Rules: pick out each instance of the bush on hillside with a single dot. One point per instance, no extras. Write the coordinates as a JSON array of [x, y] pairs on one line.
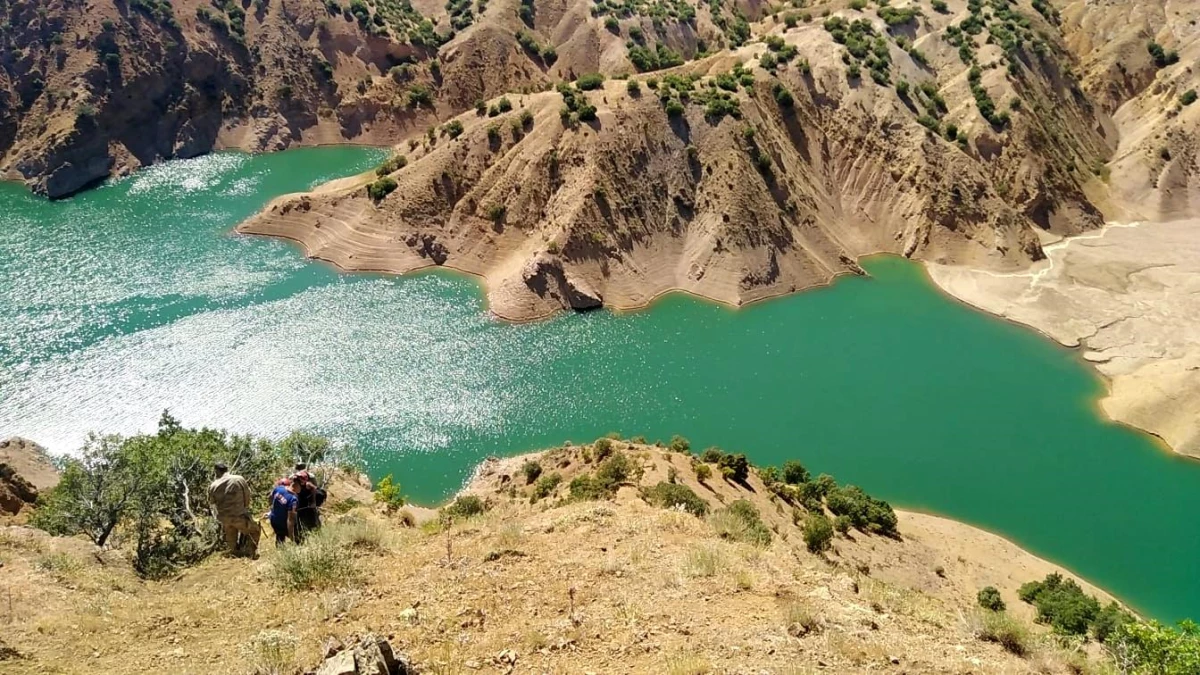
[[818, 533], [603, 448], [703, 472], [1005, 630], [712, 455], [589, 81], [735, 467], [1109, 621], [544, 487], [154, 489], [679, 444], [740, 521], [531, 471], [387, 492], [1061, 603], [382, 188], [672, 495], [465, 506], [794, 473], [614, 471], [989, 598], [865, 512], [393, 164], [842, 524], [586, 488], [1150, 647]]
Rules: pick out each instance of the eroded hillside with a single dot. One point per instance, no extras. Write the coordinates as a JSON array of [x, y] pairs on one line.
[[748, 173], [572, 567]]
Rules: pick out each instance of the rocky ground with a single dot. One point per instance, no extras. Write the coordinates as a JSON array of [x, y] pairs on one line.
[[609, 586]]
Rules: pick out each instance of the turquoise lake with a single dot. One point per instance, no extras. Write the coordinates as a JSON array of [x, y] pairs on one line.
[[137, 296]]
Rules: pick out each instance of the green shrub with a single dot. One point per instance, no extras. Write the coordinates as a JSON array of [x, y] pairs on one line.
[[526, 119], [465, 506], [703, 471], [633, 87], [865, 512], [611, 23], [712, 455], [603, 448], [1150, 647], [940, 7], [1109, 621], [586, 488], [842, 524], [818, 533], [132, 485], [1061, 603], [589, 81], [989, 598], [387, 492], [532, 470], [782, 96], [740, 521], [382, 188], [393, 164], [545, 486], [419, 95], [672, 495], [614, 471], [1162, 58], [794, 473], [679, 444], [504, 105], [453, 128], [734, 467], [1188, 97], [1005, 630]]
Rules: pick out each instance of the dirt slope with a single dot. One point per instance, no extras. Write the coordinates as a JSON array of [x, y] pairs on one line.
[[607, 587]]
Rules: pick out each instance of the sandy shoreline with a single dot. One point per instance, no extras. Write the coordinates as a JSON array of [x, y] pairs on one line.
[[1128, 299]]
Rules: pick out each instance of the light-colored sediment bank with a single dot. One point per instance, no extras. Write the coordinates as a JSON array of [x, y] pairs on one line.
[[1129, 297]]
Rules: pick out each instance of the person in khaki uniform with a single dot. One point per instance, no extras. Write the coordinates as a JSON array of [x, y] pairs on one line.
[[229, 496]]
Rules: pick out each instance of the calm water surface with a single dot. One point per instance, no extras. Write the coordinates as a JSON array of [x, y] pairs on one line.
[[137, 297]]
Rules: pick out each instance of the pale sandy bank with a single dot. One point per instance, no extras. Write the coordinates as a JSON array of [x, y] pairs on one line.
[[1129, 297]]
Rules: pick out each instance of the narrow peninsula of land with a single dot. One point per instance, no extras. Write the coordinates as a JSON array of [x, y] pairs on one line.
[[614, 556]]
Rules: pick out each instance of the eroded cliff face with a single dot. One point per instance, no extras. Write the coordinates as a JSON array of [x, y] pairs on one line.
[[736, 177], [89, 90]]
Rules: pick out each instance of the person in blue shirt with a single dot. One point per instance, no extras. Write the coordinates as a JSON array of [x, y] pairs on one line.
[[282, 515]]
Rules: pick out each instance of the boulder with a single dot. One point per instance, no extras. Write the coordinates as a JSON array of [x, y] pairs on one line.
[[367, 655], [15, 491]]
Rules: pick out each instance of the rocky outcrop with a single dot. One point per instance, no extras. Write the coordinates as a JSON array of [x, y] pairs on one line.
[[365, 655], [15, 491]]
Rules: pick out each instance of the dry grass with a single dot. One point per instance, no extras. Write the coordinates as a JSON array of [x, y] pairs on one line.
[[703, 561], [687, 664], [1003, 629], [272, 652]]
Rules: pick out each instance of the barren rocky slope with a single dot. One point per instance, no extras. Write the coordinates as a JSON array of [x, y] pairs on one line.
[[608, 586], [89, 90], [749, 173]]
